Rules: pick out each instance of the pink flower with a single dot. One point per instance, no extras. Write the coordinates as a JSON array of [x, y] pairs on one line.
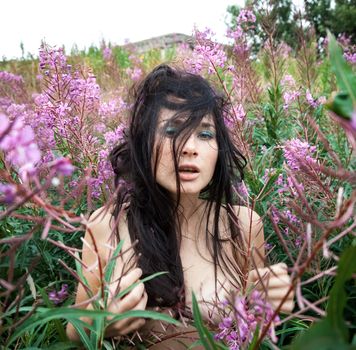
[[289, 98], [134, 73], [7, 193], [107, 53], [235, 34], [63, 166], [246, 16], [112, 108], [296, 151], [284, 49], [353, 120], [113, 137], [19, 145], [59, 296], [268, 173], [313, 103], [350, 57], [242, 318], [207, 54], [239, 112], [288, 81]]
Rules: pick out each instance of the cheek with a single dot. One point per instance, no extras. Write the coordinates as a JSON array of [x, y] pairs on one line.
[[212, 156], [164, 159]]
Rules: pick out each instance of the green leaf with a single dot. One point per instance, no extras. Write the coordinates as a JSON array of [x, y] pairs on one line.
[[331, 333], [111, 265], [255, 338], [321, 336], [346, 79], [79, 269], [79, 327], [144, 314], [44, 315], [341, 104], [148, 278], [205, 336], [338, 297]]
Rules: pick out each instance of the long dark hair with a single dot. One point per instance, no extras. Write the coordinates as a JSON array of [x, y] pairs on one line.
[[152, 213]]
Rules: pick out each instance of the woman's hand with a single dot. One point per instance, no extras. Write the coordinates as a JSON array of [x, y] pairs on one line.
[[276, 282], [136, 299]]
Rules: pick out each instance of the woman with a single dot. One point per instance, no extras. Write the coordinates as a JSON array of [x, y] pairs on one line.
[[175, 173]]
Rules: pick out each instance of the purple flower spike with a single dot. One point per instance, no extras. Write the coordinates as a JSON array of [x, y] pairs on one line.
[[60, 296]]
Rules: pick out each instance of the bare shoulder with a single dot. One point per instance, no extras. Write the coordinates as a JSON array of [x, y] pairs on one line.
[[248, 219]]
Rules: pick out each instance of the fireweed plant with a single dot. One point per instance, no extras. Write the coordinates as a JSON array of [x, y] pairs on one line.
[[58, 125]]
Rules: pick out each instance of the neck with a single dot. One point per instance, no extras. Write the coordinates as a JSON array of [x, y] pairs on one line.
[[188, 205], [190, 213]]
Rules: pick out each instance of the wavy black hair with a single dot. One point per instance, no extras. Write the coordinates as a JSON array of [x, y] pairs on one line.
[[151, 212]]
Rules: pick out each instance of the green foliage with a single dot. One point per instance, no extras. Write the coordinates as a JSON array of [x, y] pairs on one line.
[[331, 333], [206, 338], [95, 338], [274, 16], [344, 102], [339, 17]]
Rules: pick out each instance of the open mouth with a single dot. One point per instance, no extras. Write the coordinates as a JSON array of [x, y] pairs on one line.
[[188, 169], [188, 172]]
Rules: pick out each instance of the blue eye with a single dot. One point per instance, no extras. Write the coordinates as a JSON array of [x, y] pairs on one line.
[[170, 131], [206, 135]]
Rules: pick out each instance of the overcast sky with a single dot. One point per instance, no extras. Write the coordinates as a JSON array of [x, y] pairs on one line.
[[86, 22]]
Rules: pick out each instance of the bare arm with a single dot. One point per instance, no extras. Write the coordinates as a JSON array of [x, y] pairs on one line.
[[251, 227], [274, 279], [95, 256]]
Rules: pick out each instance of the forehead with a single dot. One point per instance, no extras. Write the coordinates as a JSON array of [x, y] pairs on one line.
[[166, 115]]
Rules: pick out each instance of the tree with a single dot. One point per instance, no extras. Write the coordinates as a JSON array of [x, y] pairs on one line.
[[339, 19], [274, 16]]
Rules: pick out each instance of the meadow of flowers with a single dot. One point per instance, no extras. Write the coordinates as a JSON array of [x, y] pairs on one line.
[[294, 119]]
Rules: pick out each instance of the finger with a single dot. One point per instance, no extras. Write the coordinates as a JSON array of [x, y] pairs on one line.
[[120, 326], [133, 326], [279, 293], [264, 275], [130, 278], [129, 301], [281, 281], [287, 306]]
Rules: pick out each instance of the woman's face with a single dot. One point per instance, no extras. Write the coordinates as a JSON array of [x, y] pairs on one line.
[[197, 158]]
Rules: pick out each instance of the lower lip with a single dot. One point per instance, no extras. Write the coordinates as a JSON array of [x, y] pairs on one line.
[[186, 176]]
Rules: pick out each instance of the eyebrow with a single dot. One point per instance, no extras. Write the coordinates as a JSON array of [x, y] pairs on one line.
[[207, 125], [202, 125]]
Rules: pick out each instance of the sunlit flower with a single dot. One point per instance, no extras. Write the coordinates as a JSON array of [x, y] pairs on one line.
[[295, 151], [207, 54]]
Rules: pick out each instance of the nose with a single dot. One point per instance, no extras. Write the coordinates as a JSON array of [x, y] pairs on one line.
[[190, 147]]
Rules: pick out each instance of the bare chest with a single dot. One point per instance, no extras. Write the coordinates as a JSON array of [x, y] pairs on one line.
[[199, 276]]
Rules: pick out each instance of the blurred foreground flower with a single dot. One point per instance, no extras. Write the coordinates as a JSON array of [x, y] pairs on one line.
[[18, 142]]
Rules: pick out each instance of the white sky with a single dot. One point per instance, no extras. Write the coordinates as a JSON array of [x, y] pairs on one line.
[[86, 22]]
